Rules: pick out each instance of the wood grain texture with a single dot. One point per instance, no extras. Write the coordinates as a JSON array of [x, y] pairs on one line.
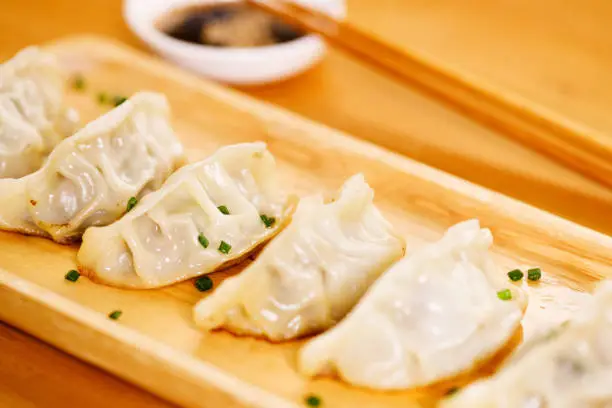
[[155, 343], [574, 145], [556, 54], [30, 382]]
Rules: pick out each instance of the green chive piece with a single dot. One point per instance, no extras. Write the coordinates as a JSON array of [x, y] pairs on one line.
[[203, 284], [515, 275], [534, 274], [223, 209], [79, 82], [115, 314], [451, 391], [313, 401], [118, 100], [224, 247], [131, 204], [72, 275], [203, 240], [268, 221], [102, 98], [504, 294]]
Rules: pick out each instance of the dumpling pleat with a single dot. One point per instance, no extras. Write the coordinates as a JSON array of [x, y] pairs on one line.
[[90, 177], [312, 274], [433, 315], [180, 231]]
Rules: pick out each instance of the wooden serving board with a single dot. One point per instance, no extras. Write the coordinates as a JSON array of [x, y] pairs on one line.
[[155, 344]]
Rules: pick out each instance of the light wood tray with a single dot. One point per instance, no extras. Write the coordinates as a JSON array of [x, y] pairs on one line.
[[155, 343]]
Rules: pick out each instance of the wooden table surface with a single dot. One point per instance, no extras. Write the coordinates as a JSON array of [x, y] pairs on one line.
[[557, 53]]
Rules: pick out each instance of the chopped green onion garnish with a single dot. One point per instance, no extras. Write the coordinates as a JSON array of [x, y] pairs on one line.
[[515, 275], [268, 221], [79, 82], [203, 240], [534, 274], [223, 209], [131, 204], [115, 314], [118, 100], [224, 247], [203, 284], [504, 294], [72, 275], [451, 391], [313, 401], [102, 98]]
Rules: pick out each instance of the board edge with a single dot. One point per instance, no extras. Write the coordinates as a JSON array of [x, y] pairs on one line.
[[164, 370]]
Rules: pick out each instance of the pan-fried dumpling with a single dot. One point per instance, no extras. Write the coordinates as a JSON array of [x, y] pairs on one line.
[[570, 367], [312, 274], [33, 118], [208, 215], [431, 316], [90, 177]]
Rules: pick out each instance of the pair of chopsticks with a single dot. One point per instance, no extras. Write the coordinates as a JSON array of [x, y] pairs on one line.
[[578, 147]]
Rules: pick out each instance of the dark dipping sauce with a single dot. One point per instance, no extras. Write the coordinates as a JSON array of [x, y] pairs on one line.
[[227, 25]]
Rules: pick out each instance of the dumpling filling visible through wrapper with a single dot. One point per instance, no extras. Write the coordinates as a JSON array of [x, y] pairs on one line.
[[208, 215], [89, 177], [569, 367], [312, 274], [432, 316], [33, 117]]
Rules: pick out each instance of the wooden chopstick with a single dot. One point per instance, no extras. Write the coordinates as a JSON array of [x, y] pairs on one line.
[[583, 149]]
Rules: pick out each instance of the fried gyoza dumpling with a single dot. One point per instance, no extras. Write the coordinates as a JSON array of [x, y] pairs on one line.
[[33, 118], [570, 367], [433, 315], [89, 177], [312, 274], [207, 215]]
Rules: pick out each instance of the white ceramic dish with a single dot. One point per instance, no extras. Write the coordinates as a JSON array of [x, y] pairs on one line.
[[241, 66]]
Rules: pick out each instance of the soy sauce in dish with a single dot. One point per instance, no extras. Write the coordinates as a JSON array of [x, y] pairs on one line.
[[227, 25]]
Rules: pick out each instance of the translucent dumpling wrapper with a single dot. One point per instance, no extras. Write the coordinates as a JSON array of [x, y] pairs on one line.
[[33, 117], [570, 367], [312, 273], [432, 316], [207, 216], [89, 177]]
